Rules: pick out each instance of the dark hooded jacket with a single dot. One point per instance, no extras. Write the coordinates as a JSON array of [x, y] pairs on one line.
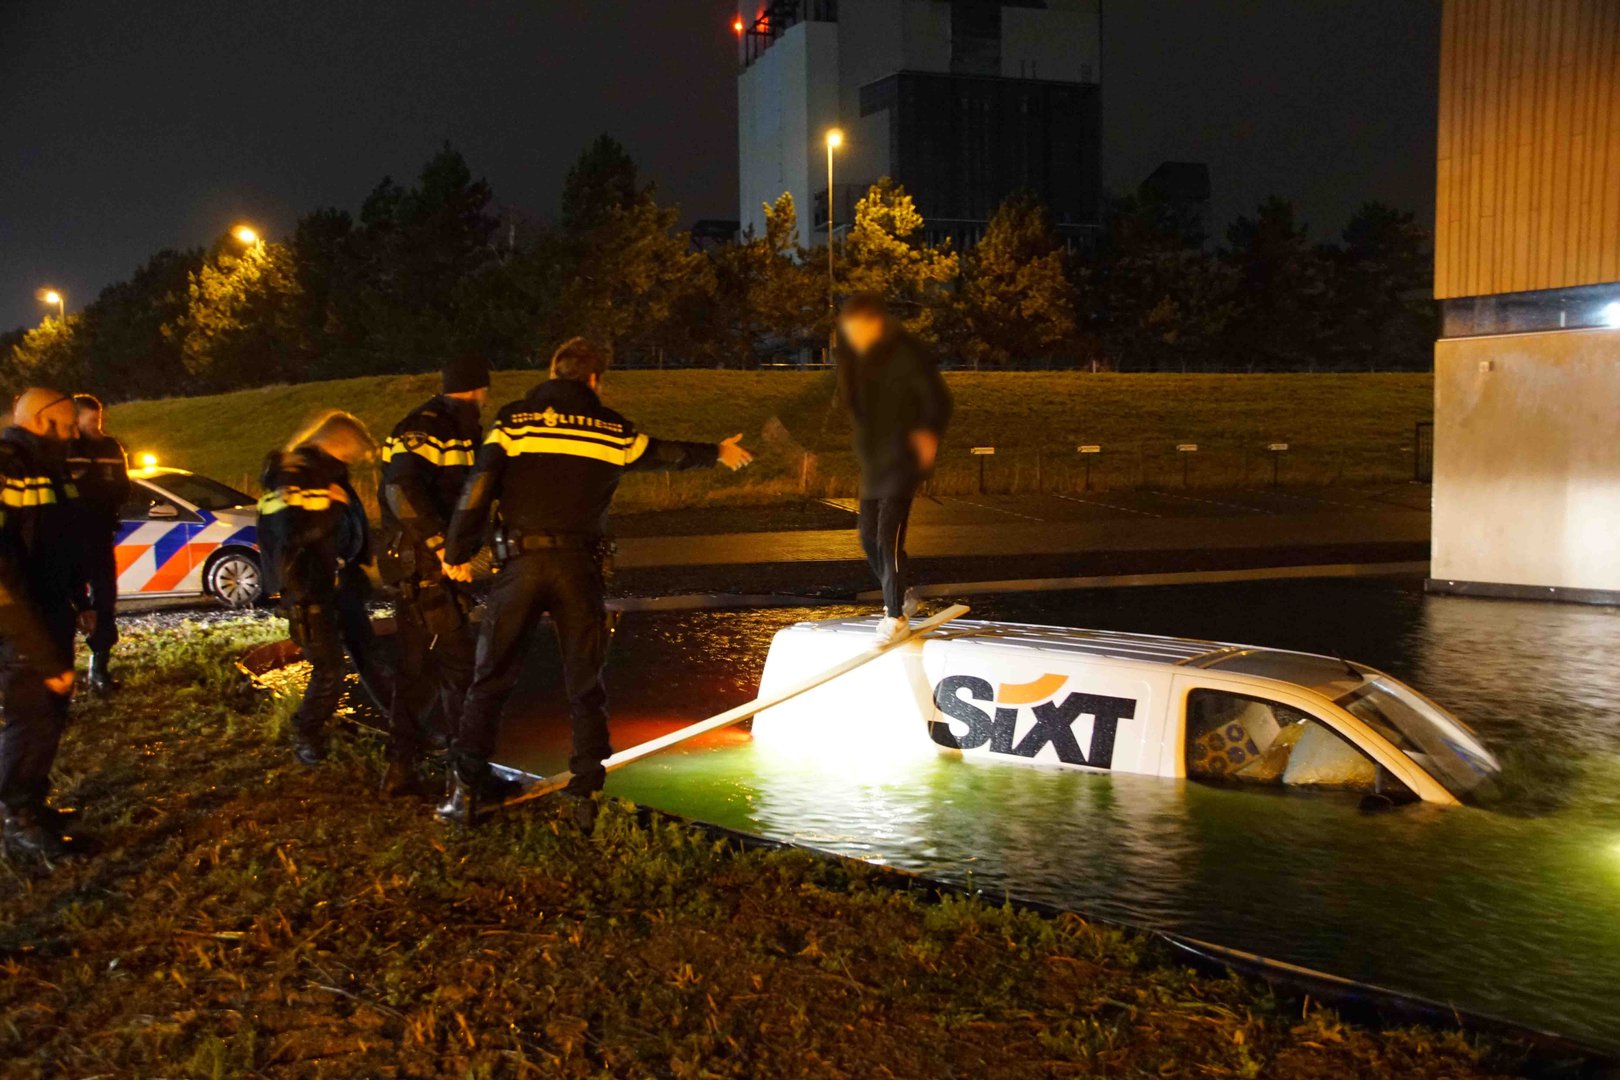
[[426, 462], [891, 392], [42, 549], [311, 524]]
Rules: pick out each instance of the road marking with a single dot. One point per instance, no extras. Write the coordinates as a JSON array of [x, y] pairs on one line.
[[1185, 577], [1213, 502], [997, 509], [1110, 506], [1319, 501]]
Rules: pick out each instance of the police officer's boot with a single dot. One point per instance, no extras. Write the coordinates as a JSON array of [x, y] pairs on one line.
[[309, 746], [399, 779], [460, 805], [26, 833], [582, 810], [101, 680]]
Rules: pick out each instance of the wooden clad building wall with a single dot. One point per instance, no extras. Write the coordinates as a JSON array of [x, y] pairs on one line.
[[1529, 154]]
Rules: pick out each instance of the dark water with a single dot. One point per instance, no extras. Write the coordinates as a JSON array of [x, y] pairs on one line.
[[1511, 909]]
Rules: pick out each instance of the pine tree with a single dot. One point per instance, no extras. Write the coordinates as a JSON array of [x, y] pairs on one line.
[[1016, 302], [632, 281], [888, 254]]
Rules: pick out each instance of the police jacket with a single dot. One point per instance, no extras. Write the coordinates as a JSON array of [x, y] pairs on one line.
[[426, 462], [553, 462], [891, 392], [99, 468], [311, 524], [42, 568]]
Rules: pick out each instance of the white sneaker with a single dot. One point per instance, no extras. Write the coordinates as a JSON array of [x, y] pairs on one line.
[[892, 628], [910, 605]]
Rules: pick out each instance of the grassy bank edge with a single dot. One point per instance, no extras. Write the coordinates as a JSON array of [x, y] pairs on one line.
[[246, 915]]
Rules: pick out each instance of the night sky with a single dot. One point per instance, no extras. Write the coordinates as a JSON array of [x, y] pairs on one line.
[[131, 125]]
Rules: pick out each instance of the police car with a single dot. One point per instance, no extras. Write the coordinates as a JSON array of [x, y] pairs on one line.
[[181, 534], [1101, 701]]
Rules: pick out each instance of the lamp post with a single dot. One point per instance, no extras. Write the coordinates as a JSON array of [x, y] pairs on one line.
[[245, 235], [835, 139], [52, 296]]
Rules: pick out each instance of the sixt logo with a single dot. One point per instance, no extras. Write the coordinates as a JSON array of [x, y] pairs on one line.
[[1054, 720]]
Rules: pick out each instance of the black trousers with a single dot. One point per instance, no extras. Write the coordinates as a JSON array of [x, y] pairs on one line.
[[568, 583], [435, 669], [103, 572], [35, 718], [325, 630], [882, 526]]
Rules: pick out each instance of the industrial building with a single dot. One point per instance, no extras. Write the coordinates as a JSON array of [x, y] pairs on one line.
[[962, 101], [1527, 272]]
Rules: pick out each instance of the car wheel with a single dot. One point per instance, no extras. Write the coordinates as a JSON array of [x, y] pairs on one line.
[[234, 578]]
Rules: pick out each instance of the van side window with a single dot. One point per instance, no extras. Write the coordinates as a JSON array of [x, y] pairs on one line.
[[1252, 740]]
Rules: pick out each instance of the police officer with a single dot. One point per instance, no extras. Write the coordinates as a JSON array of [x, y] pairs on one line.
[[99, 469], [315, 542], [425, 463], [41, 576], [552, 462]]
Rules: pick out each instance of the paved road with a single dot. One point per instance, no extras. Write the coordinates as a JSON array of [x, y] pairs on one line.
[[1007, 526]]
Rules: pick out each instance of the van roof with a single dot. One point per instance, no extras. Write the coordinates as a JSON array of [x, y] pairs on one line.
[[1301, 669]]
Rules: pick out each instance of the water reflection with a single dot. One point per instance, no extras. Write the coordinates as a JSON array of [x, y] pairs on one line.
[[1509, 911]]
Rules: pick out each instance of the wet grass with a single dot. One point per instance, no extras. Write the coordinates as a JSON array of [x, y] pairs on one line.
[[1339, 428], [245, 916]]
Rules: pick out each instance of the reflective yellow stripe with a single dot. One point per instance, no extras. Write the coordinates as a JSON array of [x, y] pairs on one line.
[[521, 430], [637, 448], [310, 499], [555, 444], [441, 452], [33, 491]]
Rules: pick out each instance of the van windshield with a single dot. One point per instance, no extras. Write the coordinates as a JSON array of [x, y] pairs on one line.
[[1429, 736]]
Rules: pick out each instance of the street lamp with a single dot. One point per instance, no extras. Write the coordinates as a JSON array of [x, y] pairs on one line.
[[835, 139], [245, 234], [51, 296]]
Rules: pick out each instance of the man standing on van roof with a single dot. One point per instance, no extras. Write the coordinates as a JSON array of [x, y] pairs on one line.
[[552, 462], [899, 405]]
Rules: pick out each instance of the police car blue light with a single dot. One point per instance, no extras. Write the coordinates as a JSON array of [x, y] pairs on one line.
[[181, 534]]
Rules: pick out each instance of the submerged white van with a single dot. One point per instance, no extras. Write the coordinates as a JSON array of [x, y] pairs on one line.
[[1101, 701]]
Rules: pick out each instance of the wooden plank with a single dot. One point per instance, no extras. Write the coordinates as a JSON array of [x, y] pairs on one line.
[[740, 713]]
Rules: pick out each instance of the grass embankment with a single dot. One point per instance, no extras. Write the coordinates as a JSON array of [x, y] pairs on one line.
[[1338, 427], [246, 916]]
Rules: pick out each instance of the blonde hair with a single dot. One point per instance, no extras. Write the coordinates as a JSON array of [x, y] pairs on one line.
[[335, 423]]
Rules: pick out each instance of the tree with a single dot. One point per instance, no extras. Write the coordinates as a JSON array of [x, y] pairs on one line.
[[602, 180], [1278, 321], [888, 254], [241, 323], [1015, 301], [410, 261], [632, 281], [52, 353], [1380, 312], [1161, 301], [768, 297]]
